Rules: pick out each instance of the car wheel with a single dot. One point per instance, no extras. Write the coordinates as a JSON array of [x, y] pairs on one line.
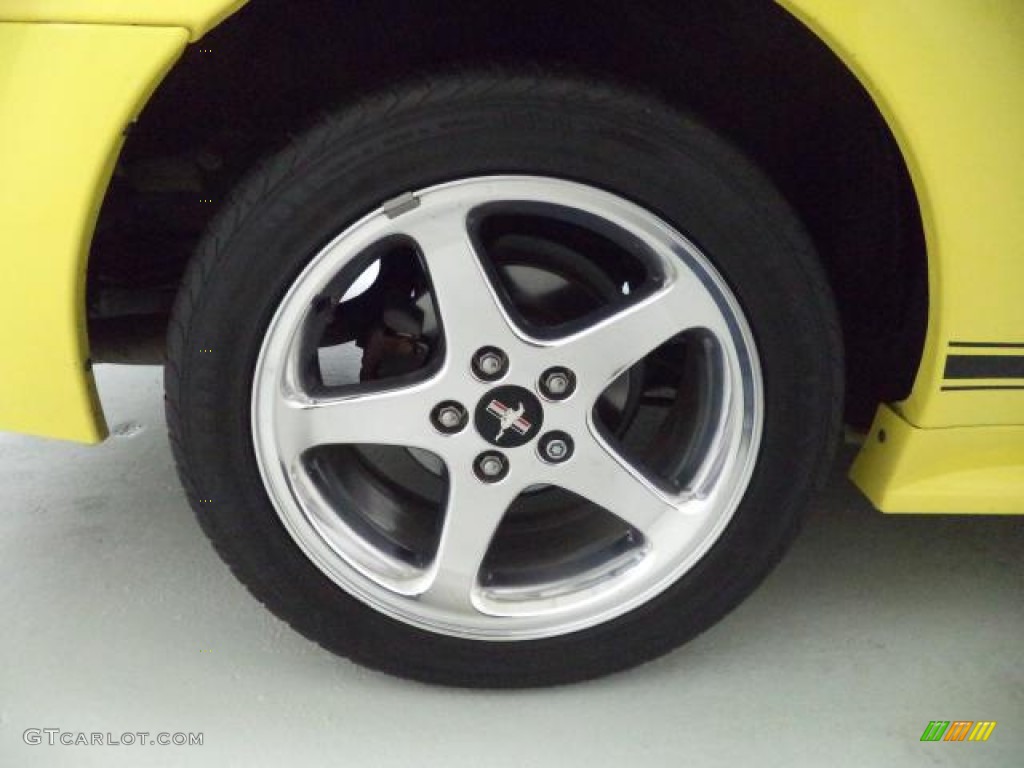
[[504, 381]]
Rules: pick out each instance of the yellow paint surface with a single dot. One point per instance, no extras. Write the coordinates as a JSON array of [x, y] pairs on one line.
[[67, 92], [197, 16], [977, 470], [948, 75]]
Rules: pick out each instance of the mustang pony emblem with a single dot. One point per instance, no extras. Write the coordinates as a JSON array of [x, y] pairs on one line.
[[509, 418]]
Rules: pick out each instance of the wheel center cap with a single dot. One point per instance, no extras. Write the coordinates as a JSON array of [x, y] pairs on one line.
[[508, 416]]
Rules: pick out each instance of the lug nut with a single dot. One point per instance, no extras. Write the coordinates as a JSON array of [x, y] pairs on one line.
[[490, 363], [556, 450], [555, 447], [448, 417], [491, 466], [557, 383]]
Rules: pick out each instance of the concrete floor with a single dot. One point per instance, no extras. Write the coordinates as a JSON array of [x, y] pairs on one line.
[[118, 617]]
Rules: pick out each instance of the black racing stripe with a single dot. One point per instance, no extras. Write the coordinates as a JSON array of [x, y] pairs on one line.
[[996, 387], [986, 344], [984, 367]]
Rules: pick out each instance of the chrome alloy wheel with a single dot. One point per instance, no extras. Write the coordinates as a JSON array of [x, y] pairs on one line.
[[542, 387]]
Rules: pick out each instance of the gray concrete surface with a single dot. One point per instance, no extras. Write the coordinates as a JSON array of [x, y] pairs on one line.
[[118, 617]]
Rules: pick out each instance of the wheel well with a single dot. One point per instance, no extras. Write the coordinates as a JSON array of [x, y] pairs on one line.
[[748, 69]]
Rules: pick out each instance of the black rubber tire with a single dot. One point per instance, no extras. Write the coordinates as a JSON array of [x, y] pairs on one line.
[[460, 126]]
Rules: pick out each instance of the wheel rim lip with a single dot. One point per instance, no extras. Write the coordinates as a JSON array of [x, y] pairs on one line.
[[308, 531]]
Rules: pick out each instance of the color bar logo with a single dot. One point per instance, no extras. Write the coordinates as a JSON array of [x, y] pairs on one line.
[[958, 730]]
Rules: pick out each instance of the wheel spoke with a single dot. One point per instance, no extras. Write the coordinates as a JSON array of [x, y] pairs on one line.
[[472, 515], [607, 480], [394, 417], [470, 312], [609, 347]]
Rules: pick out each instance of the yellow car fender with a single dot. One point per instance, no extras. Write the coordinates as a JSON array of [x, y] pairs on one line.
[[67, 93], [197, 16], [948, 76]]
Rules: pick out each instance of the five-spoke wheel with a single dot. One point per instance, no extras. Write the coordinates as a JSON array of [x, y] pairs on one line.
[[535, 392]]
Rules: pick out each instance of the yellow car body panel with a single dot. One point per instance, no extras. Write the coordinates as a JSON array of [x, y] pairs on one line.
[[963, 469], [197, 16], [946, 75], [67, 93]]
